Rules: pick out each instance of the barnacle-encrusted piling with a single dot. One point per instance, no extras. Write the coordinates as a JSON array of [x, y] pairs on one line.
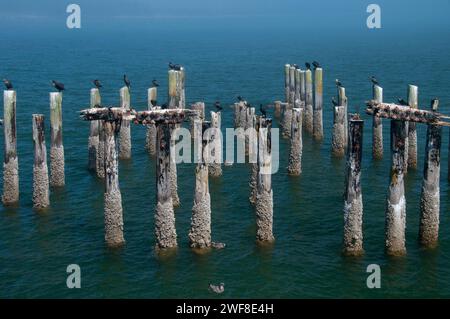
[[287, 121], [113, 197], [41, 199], [200, 107], [215, 145], [286, 82], [377, 125], [413, 101], [308, 102], [430, 196], [200, 233], [125, 128], [295, 154], [353, 205], [10, 162], [318, 105], [150, 140], [253, 159], [57, 177], [292, 86], [396, 202], [264, 195], [338, 136], [93, 133]]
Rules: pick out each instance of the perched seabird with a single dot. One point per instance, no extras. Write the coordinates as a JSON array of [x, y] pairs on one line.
[[296, 66], [338, 83], [334, 101], [434, 104], [240, 98], [97, 84], [155, 84], [262, 110], [175, 67], [402, 102], [308, 65], [126, 81], [58, 85], [164, 106], [218, 107], [374, 80], [153, 102], [8, 84], [218, 289], [316, 64]]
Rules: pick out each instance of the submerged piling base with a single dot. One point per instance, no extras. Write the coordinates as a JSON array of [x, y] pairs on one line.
[[57, 166], [150, 141], [264, 216], [11, 181], [113, 218], [253, 183], [200, 233], [41, 197], [165, 232]]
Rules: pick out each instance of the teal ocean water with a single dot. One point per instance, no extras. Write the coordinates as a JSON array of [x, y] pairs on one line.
[[305, 261]]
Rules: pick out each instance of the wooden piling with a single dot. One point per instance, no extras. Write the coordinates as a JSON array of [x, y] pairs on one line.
[[377, 125], [165, 232], [173, 169], [338, 136], [93, 133], [264, 195], [297, 88], [150, 140], [308, 102], [318, 105], [342, 100], [292, 86], [295, 154], [182, 88], [200, 107], [413, 101], [277, 109], [287, 121], [57, 176], [41, 198], [286, 82], [200, 233], [11, 162], [113, 197], [101, 150], [302, 91], [353, 205], [215, 166], [253, 160], [396, 202], [125, 128], [175, 97], [430, 195]]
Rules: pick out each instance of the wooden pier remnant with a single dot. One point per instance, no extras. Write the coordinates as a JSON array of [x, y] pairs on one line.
[[342, 100], [377, 125], [353, 205], [297, 102], [176, 89], [413, 101], [338, 142], [287, 89], [253, 160], [150, 139], [264, 195], [200, 233], [295, 154], [396, 202], [93, 133], [57, 176], [200, 107], [430, 195], [302, 92], [287, 120], [41, 199], [11, 162], [277, 109], [125, 128], [318, 105], [308, 102], [215, 144], [292, 86]]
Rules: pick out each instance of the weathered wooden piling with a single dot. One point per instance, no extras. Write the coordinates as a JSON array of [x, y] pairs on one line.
[[11, 162], [150, 140], [57, 177], [93, 133], [200, 107], [165, 232], [287, 89], [353, 205], [264, 195], [430, 196], [292, 86], [342, 100], [253, 160], [125, 128], [377, 125], [41, 199], [175, 92], [173, 169], [295, 154], [396, 202], [338, 136], [302, 91], [413, 101], [113, 197], [277, 109], [200, 233], [318, 105], [308, 102], [101, 150], [297, 88], [182, 88], [215, 141], [287, 121]]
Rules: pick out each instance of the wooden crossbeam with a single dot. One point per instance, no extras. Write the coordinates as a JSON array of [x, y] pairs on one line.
[[405, 113]]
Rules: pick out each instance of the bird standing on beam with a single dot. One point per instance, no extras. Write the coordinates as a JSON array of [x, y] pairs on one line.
[[58, 85]]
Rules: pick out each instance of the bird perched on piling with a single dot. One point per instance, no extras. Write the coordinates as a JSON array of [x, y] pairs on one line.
[[97, 84], [240, 98], [58, 85], [262, 109], [334, 101], [218, 106], [8, 84], [218, 289], [338, 83], [373, 80], [155, 84], [308, 65], [296, 66], [164, 106], [126, 81], [316, 64], [153, 103], [402, 102], [175, 67]]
